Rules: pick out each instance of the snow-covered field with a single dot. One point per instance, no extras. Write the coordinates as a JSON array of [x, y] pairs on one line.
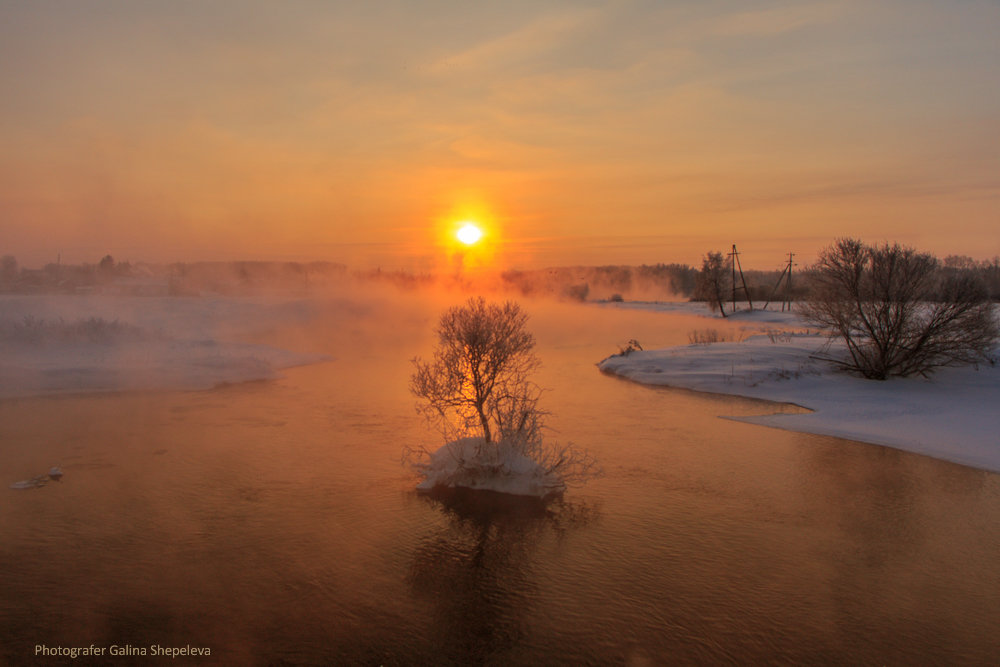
[[69, 344], [953, 415]]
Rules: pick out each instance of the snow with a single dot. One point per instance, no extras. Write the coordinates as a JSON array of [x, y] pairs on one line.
[[35, 482], [471, 463], [55, 474], [56, 345], [184, 364], [951, 416], [701, 308]]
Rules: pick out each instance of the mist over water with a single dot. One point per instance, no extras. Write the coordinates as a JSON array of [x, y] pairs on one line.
[[272, 521]]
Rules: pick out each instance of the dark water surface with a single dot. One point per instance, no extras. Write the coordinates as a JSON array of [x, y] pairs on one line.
[[272, 523]]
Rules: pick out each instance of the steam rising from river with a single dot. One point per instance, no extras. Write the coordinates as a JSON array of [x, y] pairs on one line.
[[112, 340]]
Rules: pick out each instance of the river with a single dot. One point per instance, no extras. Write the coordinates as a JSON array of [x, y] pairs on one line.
[[272, 523]]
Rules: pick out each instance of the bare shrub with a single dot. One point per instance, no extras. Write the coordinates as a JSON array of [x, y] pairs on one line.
[[710, 336], [631, 346], [705, 336], [896, 313], [778, 335]]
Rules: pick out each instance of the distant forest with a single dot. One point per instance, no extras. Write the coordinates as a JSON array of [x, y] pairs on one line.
[[657, 282]]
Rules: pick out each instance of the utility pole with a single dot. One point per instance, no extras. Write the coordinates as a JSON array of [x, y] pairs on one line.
[[735, 261], [788, 285], [732, 263]]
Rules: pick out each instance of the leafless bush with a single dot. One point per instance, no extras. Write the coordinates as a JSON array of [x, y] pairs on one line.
[[630, 347], [710, 336], [704, 336], [571, 465], [778, 336], [896, 313]]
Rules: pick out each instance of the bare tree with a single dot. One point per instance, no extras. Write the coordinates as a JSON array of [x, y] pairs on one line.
[[896, 312], [478, 382], [713, 282], [479, 385], [8, 268], [963, 262]]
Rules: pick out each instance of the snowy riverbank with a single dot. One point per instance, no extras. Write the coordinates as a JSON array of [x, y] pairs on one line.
[[952, 416], [59, 345]]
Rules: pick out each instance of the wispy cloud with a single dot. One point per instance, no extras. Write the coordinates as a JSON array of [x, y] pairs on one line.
[[530, 43], [351, 120], [777, 20]]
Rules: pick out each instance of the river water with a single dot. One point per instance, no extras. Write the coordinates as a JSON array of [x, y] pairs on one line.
[[272, 523]]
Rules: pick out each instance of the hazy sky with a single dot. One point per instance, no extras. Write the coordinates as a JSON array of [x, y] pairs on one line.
[[579, 132]]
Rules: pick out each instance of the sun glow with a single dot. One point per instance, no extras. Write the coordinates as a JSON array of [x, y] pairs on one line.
[[469, 233], [468, 237]]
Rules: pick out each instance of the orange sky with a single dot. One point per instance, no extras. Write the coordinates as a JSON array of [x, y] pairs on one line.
[[581, 132]]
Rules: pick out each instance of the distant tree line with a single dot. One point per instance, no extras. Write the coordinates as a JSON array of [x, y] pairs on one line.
[[898, 311], [55, 277], [176, 279], [249, 277], [582, 283], [713, 282]]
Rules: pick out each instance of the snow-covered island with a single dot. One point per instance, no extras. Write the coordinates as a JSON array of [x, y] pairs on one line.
[[952, 415], [501, 467]]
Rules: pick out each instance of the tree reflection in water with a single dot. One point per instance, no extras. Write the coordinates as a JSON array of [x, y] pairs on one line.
[[477, 569]]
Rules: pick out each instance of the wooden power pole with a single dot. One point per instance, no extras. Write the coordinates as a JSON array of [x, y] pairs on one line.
[[788, 285], [786, 275], [735, 261]]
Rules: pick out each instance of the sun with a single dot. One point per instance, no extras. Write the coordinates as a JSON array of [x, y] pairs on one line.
[[469, 233]]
